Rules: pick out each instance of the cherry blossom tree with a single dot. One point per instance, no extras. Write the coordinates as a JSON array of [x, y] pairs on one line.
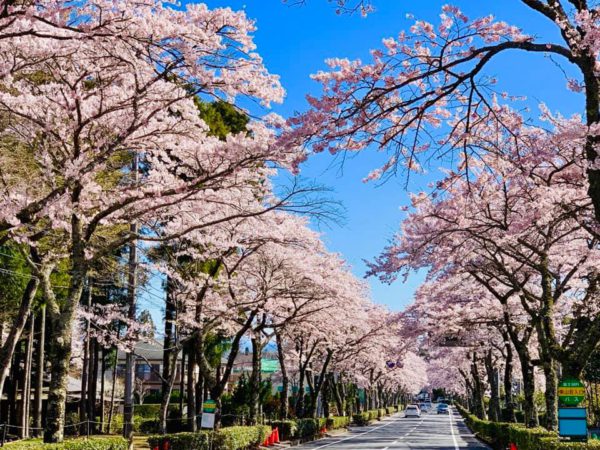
[[427, 90], [517, 229], [92, 90]]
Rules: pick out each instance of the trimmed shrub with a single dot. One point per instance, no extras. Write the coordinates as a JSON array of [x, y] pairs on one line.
[[288, 429], [182, 441], [307, 427], [96, 443], [240, 438], [230, 438], [499, 435], [364, 418], [336, 422], [149, 426]]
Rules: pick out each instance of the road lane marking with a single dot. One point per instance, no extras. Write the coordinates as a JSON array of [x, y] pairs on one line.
[[456, 447], [404, 435], [356, 435]]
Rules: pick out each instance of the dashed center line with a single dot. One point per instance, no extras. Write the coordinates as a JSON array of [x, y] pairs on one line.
[[404, 435], [357, 435]]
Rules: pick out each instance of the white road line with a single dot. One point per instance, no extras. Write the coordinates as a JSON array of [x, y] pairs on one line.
[[356, 435], [456, 447], [403, 436]]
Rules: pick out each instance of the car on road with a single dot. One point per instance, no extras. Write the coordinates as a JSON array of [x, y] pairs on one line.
[[412, 411], [425, 407], [443, 408]]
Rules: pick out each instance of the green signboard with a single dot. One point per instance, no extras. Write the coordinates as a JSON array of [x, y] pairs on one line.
[[209, 406], [571, 392]]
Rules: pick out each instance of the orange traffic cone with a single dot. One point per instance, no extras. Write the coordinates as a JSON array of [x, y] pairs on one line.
[[272, 438], [513, 446], [266, 442], [276, 435], [166, 445]]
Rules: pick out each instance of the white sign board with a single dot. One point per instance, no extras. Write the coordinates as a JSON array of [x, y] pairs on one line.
[[208, 420]]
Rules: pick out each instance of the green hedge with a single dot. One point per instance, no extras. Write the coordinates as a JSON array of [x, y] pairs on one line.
[[96, 443], [335, 422], [148, 411], [307, 428], [499, 435], [365, 417], [230, 438], [288, 429]]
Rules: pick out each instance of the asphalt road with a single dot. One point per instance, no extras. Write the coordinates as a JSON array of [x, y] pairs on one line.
[[431, 432]]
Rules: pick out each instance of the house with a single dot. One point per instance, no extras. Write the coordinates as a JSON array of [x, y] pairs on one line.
[[148, 367]]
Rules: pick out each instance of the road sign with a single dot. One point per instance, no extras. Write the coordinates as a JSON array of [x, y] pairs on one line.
[[209, 406], [208, 420], [572, 423], [571, 392]]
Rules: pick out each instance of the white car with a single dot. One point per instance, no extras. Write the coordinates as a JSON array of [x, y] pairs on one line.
[[412, 411]]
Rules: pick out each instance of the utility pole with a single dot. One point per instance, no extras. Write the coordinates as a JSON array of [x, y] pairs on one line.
[[131, 294]]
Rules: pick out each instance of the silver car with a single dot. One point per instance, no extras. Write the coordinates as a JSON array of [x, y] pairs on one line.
[[412, 411]]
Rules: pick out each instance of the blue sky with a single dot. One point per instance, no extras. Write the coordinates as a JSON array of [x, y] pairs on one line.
[[295, 40]]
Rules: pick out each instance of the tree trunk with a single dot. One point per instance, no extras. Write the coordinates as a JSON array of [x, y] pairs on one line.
[[318, 384], [479, 405], [283, 398], [191, 391], [16, 330], [83, 402], [60, 356], [587, 65], [493, 380], [325, 397], [92, 384], [39, 374], [551, 395], [132, 313], [111, 408], [166, 393], [339, 403], [14, 385], [184, 354], [255, 382], [508, 369], [299, 406], [531, 417], [26, 392], [102, 388], [168, 340]]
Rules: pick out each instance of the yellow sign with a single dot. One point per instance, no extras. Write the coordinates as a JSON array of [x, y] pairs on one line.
[[569, 391]]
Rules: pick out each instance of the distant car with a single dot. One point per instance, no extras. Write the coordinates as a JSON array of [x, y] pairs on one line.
[[443, 408], [425, 407], [412, 411]]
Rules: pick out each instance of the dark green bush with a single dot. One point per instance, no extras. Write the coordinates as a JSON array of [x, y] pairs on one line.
[[147, 411], [307, 427], [182, 441], [96, 443], [288, 429], [240, 438], [149, 426], [364, 418], [230, 438]]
